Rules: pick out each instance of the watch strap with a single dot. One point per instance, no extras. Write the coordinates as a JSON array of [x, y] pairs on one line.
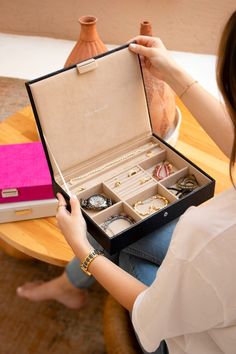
[[88, 260]]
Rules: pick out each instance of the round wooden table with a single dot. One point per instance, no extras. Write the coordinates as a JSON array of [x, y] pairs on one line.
[[41, 238]]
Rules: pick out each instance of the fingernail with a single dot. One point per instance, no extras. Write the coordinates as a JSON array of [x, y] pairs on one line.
[[132, 46], [73, 196]]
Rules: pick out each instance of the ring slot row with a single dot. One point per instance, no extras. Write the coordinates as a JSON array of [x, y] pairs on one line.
[[132, 182]]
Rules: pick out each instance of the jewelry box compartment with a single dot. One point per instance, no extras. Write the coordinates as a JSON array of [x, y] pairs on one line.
[[116, 219], [162, 165], [102, 196], [151, 200], [184, 182]]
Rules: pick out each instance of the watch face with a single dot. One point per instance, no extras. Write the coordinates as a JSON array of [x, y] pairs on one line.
[[98, 201]]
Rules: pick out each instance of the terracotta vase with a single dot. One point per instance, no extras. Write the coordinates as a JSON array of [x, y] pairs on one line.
[[89, 43], [160, 97]]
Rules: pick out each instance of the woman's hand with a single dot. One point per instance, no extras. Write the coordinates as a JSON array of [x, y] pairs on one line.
[[158, 60], [156, 57], [120, 284], [73, 226]]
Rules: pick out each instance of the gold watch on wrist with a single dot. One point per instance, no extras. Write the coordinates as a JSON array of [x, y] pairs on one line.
[[88, 260]]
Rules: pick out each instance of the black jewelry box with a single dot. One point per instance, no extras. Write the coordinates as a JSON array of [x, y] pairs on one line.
[[94, 124]]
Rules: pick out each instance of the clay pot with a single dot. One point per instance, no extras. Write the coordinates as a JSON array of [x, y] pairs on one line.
[[160, 97], [89, 43], [146, 28]]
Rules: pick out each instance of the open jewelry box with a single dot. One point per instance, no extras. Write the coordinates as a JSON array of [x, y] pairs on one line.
[[94, 123]]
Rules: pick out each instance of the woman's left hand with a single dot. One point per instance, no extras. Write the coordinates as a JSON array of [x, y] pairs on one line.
[[73, 225]]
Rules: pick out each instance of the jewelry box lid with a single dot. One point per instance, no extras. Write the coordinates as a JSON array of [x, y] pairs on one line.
[[85, 111]]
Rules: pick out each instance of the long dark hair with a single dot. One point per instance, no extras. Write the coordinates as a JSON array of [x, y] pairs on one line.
[[226, 77]]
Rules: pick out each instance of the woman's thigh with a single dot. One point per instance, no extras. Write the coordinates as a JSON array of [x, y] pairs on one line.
[[141, 269], [154, 246]]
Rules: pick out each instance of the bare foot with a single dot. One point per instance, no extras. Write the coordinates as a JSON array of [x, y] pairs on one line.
[[59, 289]]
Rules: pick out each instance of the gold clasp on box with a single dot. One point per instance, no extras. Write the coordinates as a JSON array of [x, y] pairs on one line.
[[23, 211], [86, 66], [10, 192]]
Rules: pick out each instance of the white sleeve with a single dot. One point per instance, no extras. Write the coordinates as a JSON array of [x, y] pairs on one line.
[[179, 301]]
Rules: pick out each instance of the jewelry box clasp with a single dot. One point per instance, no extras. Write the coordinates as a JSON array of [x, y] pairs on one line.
[[10, 192], [87, 65]]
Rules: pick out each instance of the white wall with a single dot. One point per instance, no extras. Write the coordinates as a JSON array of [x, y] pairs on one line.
[[184, 25]]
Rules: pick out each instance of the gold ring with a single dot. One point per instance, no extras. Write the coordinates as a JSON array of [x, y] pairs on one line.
[[144, 180], [149, 153], [61, 205], [117, 184]]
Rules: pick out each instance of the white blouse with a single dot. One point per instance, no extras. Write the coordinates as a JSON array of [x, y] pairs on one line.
[[192, 302]]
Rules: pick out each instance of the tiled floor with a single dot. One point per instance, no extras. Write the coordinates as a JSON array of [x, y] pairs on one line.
[[28, 57]]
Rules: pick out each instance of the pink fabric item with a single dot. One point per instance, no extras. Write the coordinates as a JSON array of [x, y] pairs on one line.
[[24, 167]]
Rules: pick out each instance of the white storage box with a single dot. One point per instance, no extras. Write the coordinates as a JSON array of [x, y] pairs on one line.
[[27, 210]]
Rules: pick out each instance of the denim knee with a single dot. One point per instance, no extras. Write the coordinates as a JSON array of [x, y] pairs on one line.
[[153, 247], [76, 275], [141, 269]]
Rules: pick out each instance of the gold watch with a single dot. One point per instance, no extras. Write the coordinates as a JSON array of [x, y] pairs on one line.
[[88, 260]]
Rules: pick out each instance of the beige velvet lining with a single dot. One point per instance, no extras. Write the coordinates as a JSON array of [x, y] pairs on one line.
[[86, 115]]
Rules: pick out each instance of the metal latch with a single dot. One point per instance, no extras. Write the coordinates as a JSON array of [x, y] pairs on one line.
[[10, 192], [87, 65]]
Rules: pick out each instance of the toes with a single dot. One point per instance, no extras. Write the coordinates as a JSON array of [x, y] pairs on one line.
[[25, 290]]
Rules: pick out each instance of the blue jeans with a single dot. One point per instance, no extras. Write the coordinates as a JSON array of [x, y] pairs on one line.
[[141, 259]]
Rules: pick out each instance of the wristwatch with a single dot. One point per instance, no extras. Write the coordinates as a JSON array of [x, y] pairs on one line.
[[88, 260], [96, 202]]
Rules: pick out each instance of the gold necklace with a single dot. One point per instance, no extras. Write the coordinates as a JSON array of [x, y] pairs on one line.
[[114, 162]]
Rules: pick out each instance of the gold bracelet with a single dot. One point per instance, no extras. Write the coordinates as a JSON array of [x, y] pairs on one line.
[[187, 88], [152, 207], [88, 260]]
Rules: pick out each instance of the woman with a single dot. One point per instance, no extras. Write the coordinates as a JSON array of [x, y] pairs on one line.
[[189, 301]]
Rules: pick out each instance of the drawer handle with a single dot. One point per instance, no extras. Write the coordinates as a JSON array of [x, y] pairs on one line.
[[23, 212]]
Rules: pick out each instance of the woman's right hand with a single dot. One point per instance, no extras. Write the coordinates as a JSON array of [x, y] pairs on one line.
[[157, 59]]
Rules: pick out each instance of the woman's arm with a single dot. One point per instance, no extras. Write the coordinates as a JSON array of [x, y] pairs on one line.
[[121, 285], [209, 112]]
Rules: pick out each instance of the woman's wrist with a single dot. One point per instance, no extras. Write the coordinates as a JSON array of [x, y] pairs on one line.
[[178, 79], [83, 250]]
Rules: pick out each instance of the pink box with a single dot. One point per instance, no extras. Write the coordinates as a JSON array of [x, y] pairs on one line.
[[24, 173]]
